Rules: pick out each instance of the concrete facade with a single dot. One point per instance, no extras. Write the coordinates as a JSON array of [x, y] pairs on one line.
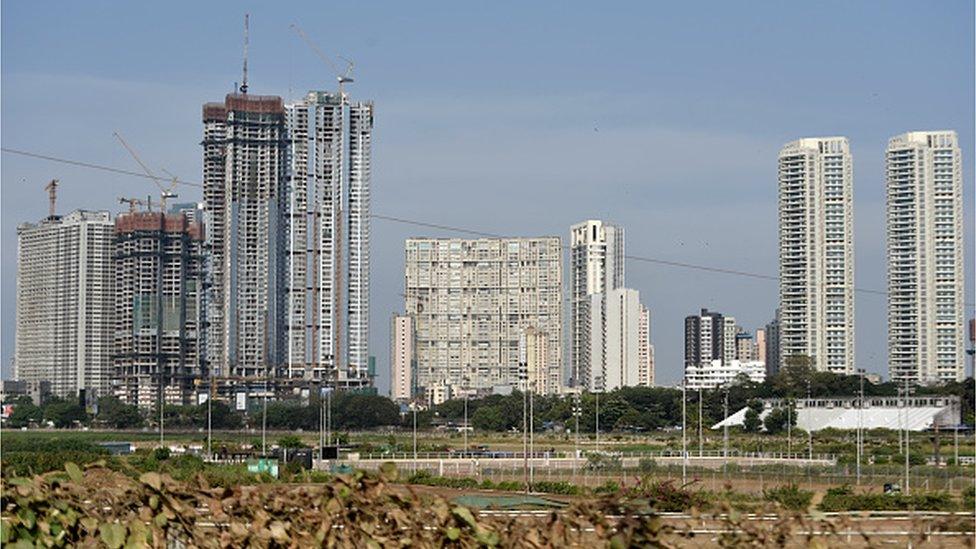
[[925, 258], [402, 358], [473, 299], [329, 173], [159, 309], [596, 266], [816, 253], [65, 303]]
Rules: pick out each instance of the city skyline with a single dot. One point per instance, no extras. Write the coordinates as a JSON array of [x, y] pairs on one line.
[[674, 196]]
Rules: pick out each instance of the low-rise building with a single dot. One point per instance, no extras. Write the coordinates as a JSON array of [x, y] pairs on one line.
[[719, 374]]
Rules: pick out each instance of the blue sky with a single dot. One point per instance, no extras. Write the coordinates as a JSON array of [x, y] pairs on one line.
[[514, 118]]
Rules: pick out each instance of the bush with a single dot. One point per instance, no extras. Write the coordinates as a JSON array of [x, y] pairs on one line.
[[556, 487], [665, 497], [608, 487], [846, 500], [161, 453], [790, 497]]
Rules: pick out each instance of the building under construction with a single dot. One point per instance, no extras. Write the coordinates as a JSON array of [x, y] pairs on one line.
[[245, 196], [329, 171], [159, 308]]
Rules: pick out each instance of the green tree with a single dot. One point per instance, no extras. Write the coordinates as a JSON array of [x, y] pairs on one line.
[[64, 413], [291, 442], [24, 414], [752, 422], [777, 419], [116, 414]]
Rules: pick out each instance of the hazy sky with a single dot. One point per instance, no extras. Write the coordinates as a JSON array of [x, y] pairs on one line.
[[514, 118]]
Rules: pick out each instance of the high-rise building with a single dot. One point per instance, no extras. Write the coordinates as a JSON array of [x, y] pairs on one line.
[[816, 253], [329, 172], [772, 346], [760, 345], [158, 308], [645, 350], [537, 376], [622, 360], [925, 257], [745, 347], [65, 303], [246, 204], [596, 266], [472, 300], [401, 358], [709, 336], [617, 346]]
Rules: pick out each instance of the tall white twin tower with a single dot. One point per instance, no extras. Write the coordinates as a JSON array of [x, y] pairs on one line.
[[923, 176], [286, 189]]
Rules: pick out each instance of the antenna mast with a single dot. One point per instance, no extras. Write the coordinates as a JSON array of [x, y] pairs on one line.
[[244, 80]]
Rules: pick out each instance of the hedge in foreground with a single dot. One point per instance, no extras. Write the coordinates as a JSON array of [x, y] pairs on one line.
[[99, 506]]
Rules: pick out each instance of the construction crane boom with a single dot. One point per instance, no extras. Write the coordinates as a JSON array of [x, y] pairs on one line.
[[342, 76], [52, 196], [165, 193]]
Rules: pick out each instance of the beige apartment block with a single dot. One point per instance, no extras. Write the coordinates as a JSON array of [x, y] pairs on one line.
[[473, 299], [926, 289], [816, 253]]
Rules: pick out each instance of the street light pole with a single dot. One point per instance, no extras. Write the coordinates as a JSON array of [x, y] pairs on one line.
[[210, 395], [860, 415], [810, 430], [684, 435], [725, 428], [908, 489], [525, 434], [465, 416], [701, 439], [597, 421], [532, 433]]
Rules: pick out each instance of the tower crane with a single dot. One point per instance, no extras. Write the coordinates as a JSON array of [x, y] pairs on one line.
[[342, 77], [133, 202], [52, 196], [165, 193]]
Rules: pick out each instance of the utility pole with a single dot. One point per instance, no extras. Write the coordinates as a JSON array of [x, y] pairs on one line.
[[725, 428], [210, 395], [466, 415], [597, 420], [577, 410], [908, 489], [525, 433], [684, 435], [532, 433], [789, 428], [701, 439], [809, 431], [860, 414], [414, 407]]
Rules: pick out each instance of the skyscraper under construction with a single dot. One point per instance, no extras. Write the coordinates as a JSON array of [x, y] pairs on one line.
[[329, 171]]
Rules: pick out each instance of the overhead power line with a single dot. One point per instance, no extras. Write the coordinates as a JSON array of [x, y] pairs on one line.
[[450, 228], [92, 166]]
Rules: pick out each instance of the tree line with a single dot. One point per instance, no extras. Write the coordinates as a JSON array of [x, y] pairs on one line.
[[634, 409]]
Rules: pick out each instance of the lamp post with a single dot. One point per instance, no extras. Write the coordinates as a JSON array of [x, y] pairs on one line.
[[701, 439], [465, 415], [860, 435], [908, 489], [684, 435]]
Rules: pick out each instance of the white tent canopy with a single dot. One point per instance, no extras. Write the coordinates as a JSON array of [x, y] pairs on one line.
[[878, 413]]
